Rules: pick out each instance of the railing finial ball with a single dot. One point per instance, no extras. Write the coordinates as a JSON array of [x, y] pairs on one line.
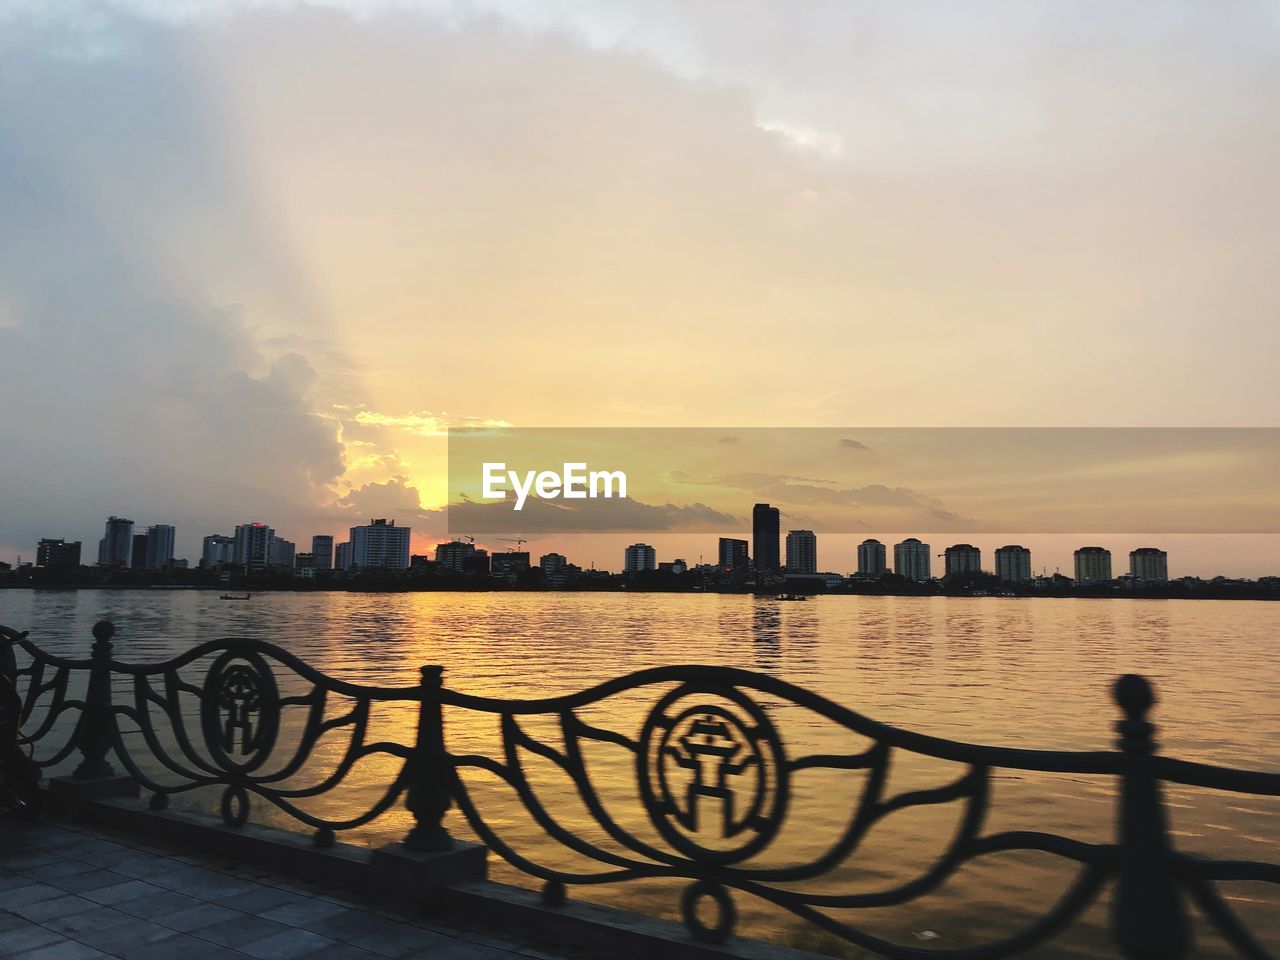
[[104, 630], [1135, 695]]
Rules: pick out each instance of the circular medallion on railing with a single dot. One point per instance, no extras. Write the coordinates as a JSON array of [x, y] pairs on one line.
[[235, 806], [702, 892], [712, 773], [240, 711]]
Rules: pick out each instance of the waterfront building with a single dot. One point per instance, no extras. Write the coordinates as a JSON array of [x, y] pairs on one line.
[[509, 564], [455, 555], [553, 563], [115, 549], [1093, 565], [963, 558], [913, 560], [303, 561], [1149, 565], [802, 551], [342, 557], [322, 551], [676, 566], [380, 545], [872, 558], [138, 552], [252, 549], [638, 557], [765, 533], [280, 554], [58, 554], [733, 554], [217, 551], [160, 540], [1013, 563]]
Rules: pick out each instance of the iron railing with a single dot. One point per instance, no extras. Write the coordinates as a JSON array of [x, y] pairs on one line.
[[707, 752]]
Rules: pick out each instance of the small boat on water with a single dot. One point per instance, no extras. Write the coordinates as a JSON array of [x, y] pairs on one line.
[[793, 596], [232, 596]]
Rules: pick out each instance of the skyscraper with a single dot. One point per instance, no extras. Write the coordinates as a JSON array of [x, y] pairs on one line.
[[1013, 563], [342, 556], [733, 554], [281, 553], [380, 545], [58, 554], [638, 557], [765, 533], [115, 549], [1093, 565], [802, 551], [455, 555], [1149, 564], [160, 539], [963, 558], [871, 558], [138, 555], [913, 559], [253, 546], [322, 551]]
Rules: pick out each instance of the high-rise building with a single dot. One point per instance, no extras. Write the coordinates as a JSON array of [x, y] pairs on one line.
[[58, 554], [1013, 563], [509, 564], [380, 545], [638, 557], [115, 549], [455, 555], [765, 533], [138, 554], [733, 554], [218, 551], [802, 551], [342, 557], [963, 558], [253, 546], [160, 538], [871, 558], [553, 563], [304, 561], [913, 560], [322, 551], [281, 553], [1149, 564], [1093, 565]]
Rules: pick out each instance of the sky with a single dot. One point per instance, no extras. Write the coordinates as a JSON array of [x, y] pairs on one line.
[[257, 257]]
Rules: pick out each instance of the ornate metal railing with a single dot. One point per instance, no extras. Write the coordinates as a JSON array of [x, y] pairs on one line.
[[712, 772]]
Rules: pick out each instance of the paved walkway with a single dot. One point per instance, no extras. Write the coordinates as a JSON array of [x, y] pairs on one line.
[[68, 892]]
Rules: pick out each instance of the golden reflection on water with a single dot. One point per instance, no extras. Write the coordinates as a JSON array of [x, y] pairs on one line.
[[1033, 673]]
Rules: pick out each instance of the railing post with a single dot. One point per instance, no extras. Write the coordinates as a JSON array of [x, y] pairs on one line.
[[1149, 921], [93, 731], [430, 772]]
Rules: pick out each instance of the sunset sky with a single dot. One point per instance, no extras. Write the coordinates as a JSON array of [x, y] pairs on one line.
[[255, 257]]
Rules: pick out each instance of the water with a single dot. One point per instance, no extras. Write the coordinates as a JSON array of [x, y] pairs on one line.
[[1031, 673]]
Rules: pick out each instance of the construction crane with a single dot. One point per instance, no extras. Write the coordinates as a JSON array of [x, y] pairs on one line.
[[518, 541]]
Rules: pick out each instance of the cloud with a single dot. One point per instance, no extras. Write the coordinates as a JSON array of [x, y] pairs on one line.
[[586, 516], [426, 424]]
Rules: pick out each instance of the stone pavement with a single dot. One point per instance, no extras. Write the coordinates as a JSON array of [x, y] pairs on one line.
[[69, 891]]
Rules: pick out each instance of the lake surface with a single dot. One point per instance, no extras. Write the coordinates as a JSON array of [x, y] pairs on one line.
[[1018, 672]]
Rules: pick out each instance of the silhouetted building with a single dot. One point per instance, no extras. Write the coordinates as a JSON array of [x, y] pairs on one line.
[[1013, 563], [871, 558], [217, 551], [1093, 565], [342, 557], [553, 563], [455, 555], [733, 554], [160, 539], [280, 554], [303, 561], [963, 558], [138, 554], [510, 564], [913, 560], [638, 557], [322, 551], [802, 552], [253, 546], [676, 566], [1149, 564], [380, 545], [115, 549], [58, 554], [766, 530]]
